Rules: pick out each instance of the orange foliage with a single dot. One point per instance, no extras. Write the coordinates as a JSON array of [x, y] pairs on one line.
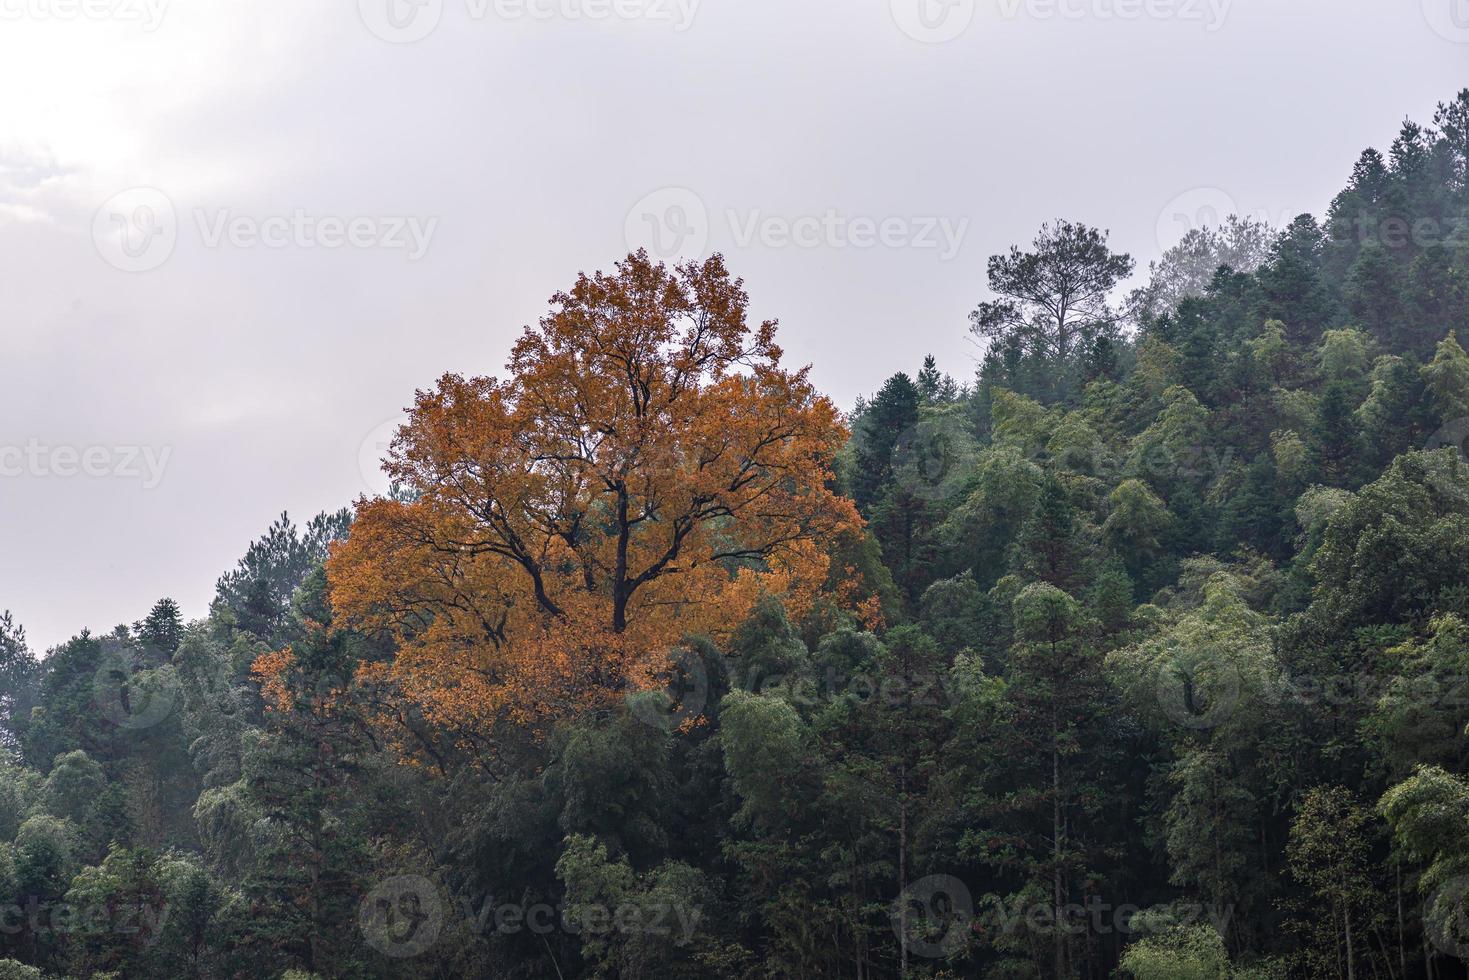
[[271, 670], [647, 471]]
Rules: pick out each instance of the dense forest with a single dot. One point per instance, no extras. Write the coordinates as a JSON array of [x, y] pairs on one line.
[[1140, 652]]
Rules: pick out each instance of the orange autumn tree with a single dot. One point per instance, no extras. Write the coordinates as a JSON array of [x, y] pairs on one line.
[[646, 472]]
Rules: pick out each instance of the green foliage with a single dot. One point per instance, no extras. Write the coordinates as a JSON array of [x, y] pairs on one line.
[[957, 614], [19, 676], [636, 925], [616, 785], [1447, 377], [1136, 522], [256, 596], [988, 521], [1160, 608], [1393, 552], [1193, 953], [1051, 303], [888, 418], [762, 742], [44, 856], [766, 647], [163, 629], [1328, 854]]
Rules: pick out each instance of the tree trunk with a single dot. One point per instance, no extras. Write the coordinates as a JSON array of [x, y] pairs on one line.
[[1346, 917], [1430, 969], [903, 863], [1060, 936], [1402, 943]]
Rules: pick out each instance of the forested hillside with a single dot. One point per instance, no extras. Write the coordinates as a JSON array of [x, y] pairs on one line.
[[1142, 651]]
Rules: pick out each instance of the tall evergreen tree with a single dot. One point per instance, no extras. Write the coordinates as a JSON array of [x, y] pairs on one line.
[[891, 415]]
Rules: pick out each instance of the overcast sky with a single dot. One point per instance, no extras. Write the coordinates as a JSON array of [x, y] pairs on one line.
[[237, 236]]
